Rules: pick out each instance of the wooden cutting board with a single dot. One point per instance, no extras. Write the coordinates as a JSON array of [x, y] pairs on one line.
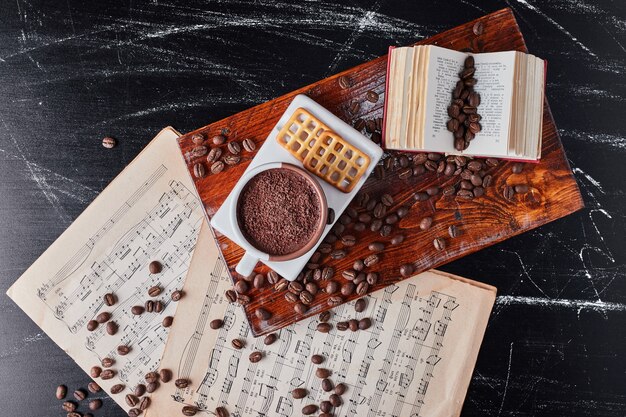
[[482, 221]]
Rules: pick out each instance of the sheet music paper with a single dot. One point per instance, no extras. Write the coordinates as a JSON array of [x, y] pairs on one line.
[[415, 360], [149, 212]]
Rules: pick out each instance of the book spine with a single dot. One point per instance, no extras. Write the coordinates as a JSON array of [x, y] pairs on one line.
[[382, 134]]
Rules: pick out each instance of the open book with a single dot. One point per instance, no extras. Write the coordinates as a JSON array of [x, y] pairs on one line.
[[420, 86]]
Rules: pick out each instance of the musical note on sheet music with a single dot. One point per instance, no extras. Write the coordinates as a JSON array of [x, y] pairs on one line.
[[397, 367]]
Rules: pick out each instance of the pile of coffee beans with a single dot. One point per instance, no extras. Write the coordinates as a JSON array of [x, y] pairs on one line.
[[464, 120], [219, 155]]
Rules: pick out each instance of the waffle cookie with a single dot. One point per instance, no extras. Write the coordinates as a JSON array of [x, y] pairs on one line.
[[322, 152]]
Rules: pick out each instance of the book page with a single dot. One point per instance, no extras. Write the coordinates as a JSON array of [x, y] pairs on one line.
[[149, 212], [494, 75], [417, 358], [441, 77]]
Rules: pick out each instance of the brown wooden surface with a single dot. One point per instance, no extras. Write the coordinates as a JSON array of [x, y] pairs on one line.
[[483, 221]]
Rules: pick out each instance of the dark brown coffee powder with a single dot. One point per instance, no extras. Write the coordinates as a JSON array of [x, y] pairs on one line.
[[278, 211]]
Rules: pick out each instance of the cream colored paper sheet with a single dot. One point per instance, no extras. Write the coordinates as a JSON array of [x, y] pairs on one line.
[[149, 212], [416, 359]]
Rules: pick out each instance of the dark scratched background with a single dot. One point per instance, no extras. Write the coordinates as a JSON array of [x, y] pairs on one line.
[[73, 71]]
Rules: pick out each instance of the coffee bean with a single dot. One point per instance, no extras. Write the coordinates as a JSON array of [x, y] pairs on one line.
[[376, 225], [149, 306], [103, 317], [151, 387], [322, 373], [155, 267], [465, 194], [362, 288], [140, 389], [131, 400], [439, 243], [109, 299], [181, 383], [365, 323], [340, 388], [214, 155], [300, 308], [117, 388], [112, 328], [342, 326], [258, 281], [197, 138], [134, 412], [189, 410], [392, 218], [151, 376], [306, 297], [371, 260], [144, 403], [123, 350], [317, 359], [324, 327], [508, 192], [262, 314], [360, 305], [199, 151], [454, 231], [281, 285], [327, 385], [154, 291], [397, 239], [291, 297], [312, 287], [108, 362], [360, 277], [216, 324], [109, 142], [255, 356], [335, 400], [426, 222], [334, 300], [241, 286], [420, 196], [61, 392], [487, 179], [353, 325], [517, 168], [325, 407], [348, 240], [332, 287], [237, 344], [406, 270], [69, 406], [92, 325], [299, 393], [137, 310], [231, 295], [338, 254], [158, 306], [234, 147], [521, 188], [217, 167], [371, 96], [347, 289], [218, 139], [167, 321], [372, 278], [93, 387], [107, 374], [221, 412], [478, 28], [309, 409], [405, 173], [165, 375], [344, 82]]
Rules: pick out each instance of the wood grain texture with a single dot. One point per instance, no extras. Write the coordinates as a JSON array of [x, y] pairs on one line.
[[483, 221]]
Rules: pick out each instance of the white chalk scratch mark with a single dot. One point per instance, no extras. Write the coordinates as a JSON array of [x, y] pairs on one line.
[[558, 26], [508, 377], [525, 272], [596, 306], [618, 142], [593, 181]]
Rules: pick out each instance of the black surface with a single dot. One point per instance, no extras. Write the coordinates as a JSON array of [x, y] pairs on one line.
[[73, 72]]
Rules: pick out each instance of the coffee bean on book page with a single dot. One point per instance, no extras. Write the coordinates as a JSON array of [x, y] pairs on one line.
[[231, 295], [154, 291], [123, 350], [107, 362], [342, 326], [237, 344], [181, 383], [103, 317], [140, 389], [322, 373], [109, 299], [221, 412], [309, 409], [335, 400], [325, 407], [137, 310], [317, 359], [131, 400], [299, 393], [69, 406], [353, 325], [255, 357], [217, 167], [165, 375], [216, 324], [189, 410], [112, 328], [360, 305], [151, 387], [134, 412], [151, 376], [117, 388], [144, 403], [109, 142], [108, 374], [324, 316], [92, 325], [155, 267], [158, 306], [324, 327], [365, 323], [167, 321], [340, 388]]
